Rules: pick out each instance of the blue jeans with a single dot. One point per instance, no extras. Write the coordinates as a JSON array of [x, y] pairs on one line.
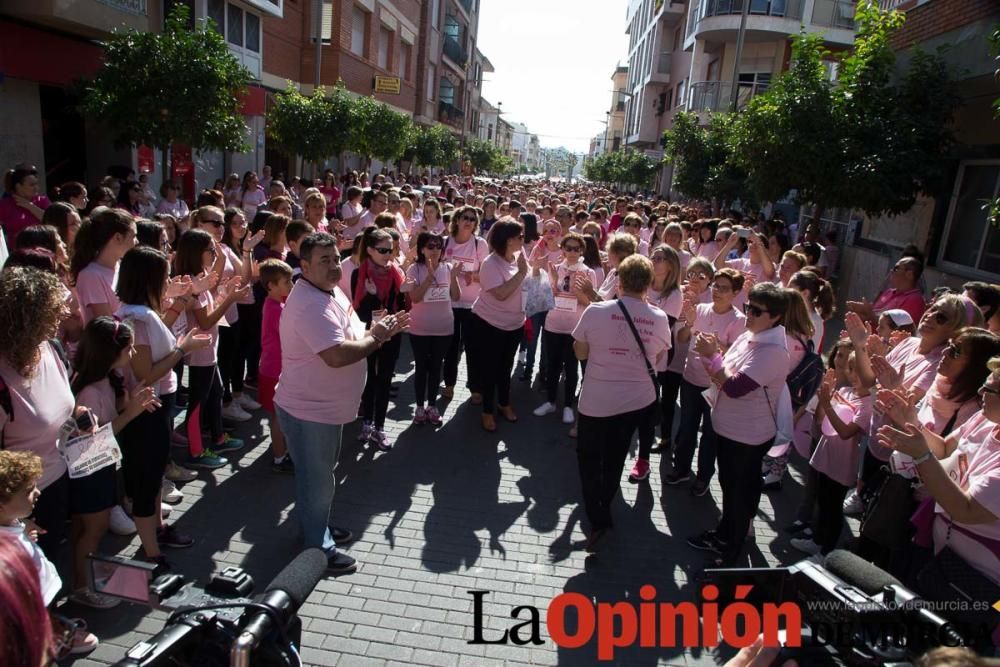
[[315, 448], [537, 324], [696, 415]]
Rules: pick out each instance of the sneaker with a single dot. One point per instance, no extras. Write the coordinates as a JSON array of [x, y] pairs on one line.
[[234, 413], [163, 566], [341, 563], [433, 416], [169, 492], [121, 523], [675, 478], [707, 541], [366, 431], [640, 471], [178, 439], [546, 408], [420, 416], [381, 439], [798, 526], [228, 444], [853, 504], [699, 488], [89, 598], [175, 473], [165, 510], [805, 545], [772, 482], [569, 417], [246, 402], [168, 536], [522, 357], [72, 637], [660, 446], [341, 536], [284, 466], [208, 460]]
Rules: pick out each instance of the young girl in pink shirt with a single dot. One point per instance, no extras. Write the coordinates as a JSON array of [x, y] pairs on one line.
[[276, 278], [99, 245]]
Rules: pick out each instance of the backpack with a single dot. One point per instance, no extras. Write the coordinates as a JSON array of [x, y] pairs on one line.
[[804, 380], [7, 402]]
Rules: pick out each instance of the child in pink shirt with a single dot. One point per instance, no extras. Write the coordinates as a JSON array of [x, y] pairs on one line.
[[276, 277]]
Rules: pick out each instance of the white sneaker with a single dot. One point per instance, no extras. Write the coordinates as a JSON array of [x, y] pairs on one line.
[[233, 412], [169, 492], [175, 473], [89, 598], [545, 409], [246, 402], [522, 357], [121, 523], [568, 416], [853, 504], [805, 545], [165, 510]]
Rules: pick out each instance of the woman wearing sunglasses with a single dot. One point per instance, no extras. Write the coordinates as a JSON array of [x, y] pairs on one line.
[[376, 289], [466, 252], [568, 279], [546, 254], [747, 407], [633, 225], [758, 265], [433, 286]]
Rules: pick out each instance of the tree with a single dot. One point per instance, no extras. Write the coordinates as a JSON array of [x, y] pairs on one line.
[[626, 166], [301, 125], [432, 146], [992, 207], [484, 156], [180, 86], [378, 131], [704, 164]]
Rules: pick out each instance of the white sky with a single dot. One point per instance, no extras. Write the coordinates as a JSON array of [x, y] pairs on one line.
[[553, 60]]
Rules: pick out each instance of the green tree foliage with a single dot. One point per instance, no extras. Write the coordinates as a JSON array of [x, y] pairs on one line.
[[628, 167], [484, 156], [301, 125], [432, 146], [378, 131], [179, 86], [704, 166], [992, 207]]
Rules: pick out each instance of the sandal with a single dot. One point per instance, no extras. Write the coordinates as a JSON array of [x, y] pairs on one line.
[[72, 637]]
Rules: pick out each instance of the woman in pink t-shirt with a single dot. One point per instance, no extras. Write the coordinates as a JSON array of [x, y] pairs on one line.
[[252, 196], [751, 381], [818, 294], [673, 236], [432, 285], [21, 206], [704, 244], [315, 211], [498, 318], [99, 245]]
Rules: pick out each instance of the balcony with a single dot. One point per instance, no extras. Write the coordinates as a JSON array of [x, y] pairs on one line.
[[717, 95], [834, 14], [455, 52], [449, 114], [467, 5]]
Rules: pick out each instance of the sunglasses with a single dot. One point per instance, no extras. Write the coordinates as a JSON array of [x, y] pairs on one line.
[[719, 287], [952, 350], [382, 251], [940, 318], [987, 389], [697, 275], [552, 231], [216, 223], [432, 246], [572, 248], [469, 218], [751, 309]]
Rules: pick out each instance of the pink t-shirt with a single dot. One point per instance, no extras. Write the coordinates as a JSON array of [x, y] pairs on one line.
[[564, 317], [750, 418], [609, 287], [920, 371], [432, 316], [796, 351], [14, 218], [251, 200], [270, 339], [912, 301], [100, 398], [707, 250], [975, 467], [836, 457], [165, 385], [671, 305], [728, 326], [507, 315], [95, 285], [743, 265], [308, 388], [40, 405], [935, 412], [206, 356], [616, 380], [469, 257]]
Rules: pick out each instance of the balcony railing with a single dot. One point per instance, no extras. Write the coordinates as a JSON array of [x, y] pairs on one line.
[[450, 114], [791, 9], [834, 14], [717, 95], [454, 50], [467, 5]]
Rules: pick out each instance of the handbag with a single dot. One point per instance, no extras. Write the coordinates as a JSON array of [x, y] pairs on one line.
[[886, 521], [651, 411], [538, 296]]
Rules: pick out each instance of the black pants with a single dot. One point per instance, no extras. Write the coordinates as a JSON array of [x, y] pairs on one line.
[[231, 360], [741, 482], [695, 414], [251, 317], [381, 366], [428, 355], [665, 393], [460, 341], [494, 352], [145, 444], [561, 357], [51, 513], [830, 506], [204, 408], [600, 453]]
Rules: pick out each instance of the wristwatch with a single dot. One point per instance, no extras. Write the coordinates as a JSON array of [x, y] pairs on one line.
[[924, 458]]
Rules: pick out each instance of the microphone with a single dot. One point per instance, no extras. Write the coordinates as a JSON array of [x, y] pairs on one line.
[[859, 573], [284, 595]]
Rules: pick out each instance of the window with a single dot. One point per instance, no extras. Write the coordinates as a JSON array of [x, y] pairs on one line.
[[970, 244], [358, 21], [216, 11], [253, 32], [234, 25], [431, 81], [405, 55], [326, 24], [447, 91], [384, 47], [680, 92]]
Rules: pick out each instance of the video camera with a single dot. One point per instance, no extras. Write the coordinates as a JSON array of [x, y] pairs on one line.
[[218, 624], [852, 613]]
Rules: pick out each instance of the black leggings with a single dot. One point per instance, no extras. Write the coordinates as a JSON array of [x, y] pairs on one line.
[[51, 513], [145, 452], [231, 360], [251, 316], [560, 357], [428, 355], [741, 482], [204, 407], [666, 394], [381, 366], [830, 506], [459, 341], [494, 354], [600, 454]]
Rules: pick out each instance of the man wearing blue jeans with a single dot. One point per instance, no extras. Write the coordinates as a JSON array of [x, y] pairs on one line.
[[323, 351]]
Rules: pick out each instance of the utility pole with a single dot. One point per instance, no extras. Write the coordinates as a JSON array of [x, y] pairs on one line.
[[734, 94], [318, 9]]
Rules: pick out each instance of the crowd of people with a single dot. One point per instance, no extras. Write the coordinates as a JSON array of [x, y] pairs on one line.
[[702, 333]]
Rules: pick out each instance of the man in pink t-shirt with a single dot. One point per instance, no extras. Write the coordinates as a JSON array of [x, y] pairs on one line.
[[904, 293], [323, 349]]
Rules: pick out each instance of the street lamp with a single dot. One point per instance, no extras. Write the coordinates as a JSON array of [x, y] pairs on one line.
[[497, 133], [607, 125]]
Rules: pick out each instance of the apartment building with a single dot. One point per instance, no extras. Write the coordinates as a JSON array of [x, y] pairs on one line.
[[951, 230]]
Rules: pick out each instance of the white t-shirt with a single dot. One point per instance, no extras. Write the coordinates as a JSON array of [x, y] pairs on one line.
[[48, 578]]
